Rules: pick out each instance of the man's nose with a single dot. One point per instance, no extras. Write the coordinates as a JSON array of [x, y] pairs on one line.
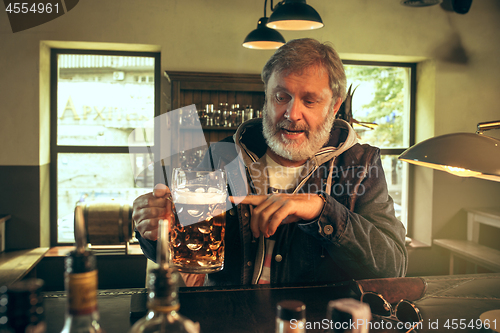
[[294, 110]]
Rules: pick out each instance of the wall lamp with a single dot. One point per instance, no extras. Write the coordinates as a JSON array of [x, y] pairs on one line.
[[462, 154], [263, 38]]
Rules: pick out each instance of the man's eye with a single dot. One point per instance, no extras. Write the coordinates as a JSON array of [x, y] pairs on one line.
[[282, 98]]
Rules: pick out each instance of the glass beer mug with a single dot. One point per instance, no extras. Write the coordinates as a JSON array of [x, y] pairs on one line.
[[197, 234]]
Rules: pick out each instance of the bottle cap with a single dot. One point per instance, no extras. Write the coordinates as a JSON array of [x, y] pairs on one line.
[[291, 309]]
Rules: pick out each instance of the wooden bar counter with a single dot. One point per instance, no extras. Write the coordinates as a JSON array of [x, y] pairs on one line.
[[252, 309]]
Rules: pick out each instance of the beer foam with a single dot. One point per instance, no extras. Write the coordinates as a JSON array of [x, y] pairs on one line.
[[198, 198]]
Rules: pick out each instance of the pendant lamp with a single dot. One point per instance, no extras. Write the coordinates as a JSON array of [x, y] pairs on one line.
[[294, 15], [263, 38]]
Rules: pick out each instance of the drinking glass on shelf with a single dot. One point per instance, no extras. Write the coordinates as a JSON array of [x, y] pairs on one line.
[[197, 234]]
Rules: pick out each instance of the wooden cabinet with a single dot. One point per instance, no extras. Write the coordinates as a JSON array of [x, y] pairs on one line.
[[213, 88], [187, 88]]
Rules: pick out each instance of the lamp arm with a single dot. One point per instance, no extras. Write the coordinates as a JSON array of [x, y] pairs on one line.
[[486, 126], [265, 7], [277, 5]]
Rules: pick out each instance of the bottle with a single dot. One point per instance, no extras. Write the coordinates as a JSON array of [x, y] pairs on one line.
[[236, 117], [290, 317], [243, 115], [218, 119], [163, 299], [225, 115], [340, 313], [209, 110], [21, 307], [210, 115], [249, 113], [80, 280]]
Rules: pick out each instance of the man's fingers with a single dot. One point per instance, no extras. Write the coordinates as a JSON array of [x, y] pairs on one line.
[[285, 213], [267, 213], [270, 211], [152, 201], [161, 190], [151, 235], [253, 200], [148, 228], [257, 218]]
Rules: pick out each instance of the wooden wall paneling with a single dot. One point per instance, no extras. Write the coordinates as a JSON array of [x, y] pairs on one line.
[[214, 99], [205, 98], [213, 88], [244, 98], [176, 95], [223, 97], [231, 98], [207, 137], [258, 101], [188, 97], [213, 136], [197, 99], [187, 139]]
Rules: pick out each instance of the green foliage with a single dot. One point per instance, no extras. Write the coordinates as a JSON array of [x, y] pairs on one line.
[[387, 106]]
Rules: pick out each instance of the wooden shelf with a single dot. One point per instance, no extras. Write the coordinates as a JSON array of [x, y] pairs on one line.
[[479, 254], [133, 250], [200, 89], [220, 128], [14, 265], [206, 128]]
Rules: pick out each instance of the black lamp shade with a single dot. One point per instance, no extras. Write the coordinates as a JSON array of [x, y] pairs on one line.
[[462, 154], [263, 38], [295, 15]]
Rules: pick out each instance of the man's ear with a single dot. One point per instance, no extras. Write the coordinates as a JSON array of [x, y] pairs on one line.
[[337, 105]]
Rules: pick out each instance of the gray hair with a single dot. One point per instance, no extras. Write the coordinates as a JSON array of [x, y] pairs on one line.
[[299, 54]]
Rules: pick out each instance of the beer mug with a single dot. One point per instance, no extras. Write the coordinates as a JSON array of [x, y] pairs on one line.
[[196, 237]]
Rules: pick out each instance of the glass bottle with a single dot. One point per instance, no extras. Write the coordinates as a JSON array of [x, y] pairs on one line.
[[218, 119], [209, 110], [21, 307], [163, 299], [243, 115], [290, 317], [249, 113], [236, 116], [225, 115], [202, 117], [80, 282]]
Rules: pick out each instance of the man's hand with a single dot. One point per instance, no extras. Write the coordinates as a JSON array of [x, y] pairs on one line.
[[272, 210], [150, 208]]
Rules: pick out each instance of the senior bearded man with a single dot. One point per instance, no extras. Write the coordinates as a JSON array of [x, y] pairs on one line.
[[320, 211]]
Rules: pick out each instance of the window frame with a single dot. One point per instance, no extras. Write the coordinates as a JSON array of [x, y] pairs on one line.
[[412, 107], [55, 149]]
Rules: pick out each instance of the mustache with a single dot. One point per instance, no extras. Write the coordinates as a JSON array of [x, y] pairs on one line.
[[291, 126]]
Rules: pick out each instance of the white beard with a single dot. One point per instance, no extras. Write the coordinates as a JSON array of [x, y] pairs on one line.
[[287, 148]]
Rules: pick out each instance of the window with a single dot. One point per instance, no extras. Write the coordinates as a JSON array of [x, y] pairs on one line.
[[97, 99], [383, 97]]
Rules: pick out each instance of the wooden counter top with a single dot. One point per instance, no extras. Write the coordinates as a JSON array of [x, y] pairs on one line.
[[14, 265]]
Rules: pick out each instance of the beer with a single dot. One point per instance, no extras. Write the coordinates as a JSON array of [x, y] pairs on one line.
[[197, 235]]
